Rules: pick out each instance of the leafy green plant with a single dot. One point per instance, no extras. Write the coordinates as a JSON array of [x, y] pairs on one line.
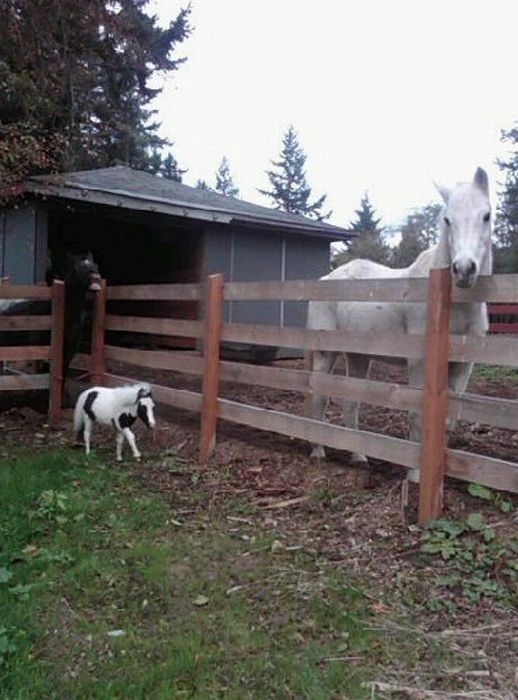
[[51, 505], [7, 645], [478, 564], [501, 502]]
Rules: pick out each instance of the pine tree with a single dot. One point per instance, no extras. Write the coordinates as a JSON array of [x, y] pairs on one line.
[[368, 242], [289, 188], [203, 185], [506, 224], [75, 80], [170, 169], [224, 181]]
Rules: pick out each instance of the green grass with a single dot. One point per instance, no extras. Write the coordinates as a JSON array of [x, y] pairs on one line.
[[494, 372], [195, 609]]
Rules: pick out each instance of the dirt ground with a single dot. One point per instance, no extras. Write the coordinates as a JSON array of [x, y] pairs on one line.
[[334, 510]]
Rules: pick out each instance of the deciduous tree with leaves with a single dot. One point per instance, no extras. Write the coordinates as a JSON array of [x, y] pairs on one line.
[[75, 81], [289, 188], [418, 233]]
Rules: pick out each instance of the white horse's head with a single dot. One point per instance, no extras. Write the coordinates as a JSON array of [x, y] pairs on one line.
[[466, 225]]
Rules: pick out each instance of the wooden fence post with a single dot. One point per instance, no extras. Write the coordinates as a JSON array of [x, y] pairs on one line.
[[97, 353], [211, 341], [435, 396], [57, 338]]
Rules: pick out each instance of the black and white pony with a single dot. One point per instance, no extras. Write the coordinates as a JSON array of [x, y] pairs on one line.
[[80, 275], [465, 247], [119, 407]]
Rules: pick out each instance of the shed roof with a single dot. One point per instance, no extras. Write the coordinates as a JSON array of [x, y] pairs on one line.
[[124, 187]]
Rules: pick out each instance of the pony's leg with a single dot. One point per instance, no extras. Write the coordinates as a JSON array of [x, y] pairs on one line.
[[415, 378], [119, 439], [132, 443], [357, 366], [87, 432], [322, 362]]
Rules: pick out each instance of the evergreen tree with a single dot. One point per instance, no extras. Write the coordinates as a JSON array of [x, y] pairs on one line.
[[75, 80], [224, 181], [368, 242], [289, 188], [203, 185], [506, 224], [418, 233], [170, 169]]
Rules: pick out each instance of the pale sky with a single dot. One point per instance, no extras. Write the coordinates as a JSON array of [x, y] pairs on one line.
[[386, 95]]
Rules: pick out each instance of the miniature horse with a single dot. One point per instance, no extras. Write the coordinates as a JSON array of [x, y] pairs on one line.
[[465, 247], [119, 407]]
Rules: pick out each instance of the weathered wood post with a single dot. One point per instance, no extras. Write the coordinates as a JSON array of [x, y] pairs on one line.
[[211, 342], [97, 352], [57, 338], [435, 396]]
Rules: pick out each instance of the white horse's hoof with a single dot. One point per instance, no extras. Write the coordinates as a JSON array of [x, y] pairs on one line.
[[118, 459], [360, 459], [318, 452], [413, 476]]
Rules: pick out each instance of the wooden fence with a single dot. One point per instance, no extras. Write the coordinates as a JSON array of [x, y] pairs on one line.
[[435, 402], [52, 353], [503, 318]]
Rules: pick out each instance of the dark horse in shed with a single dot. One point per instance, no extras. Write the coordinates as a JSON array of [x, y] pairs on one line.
[[80, 275]]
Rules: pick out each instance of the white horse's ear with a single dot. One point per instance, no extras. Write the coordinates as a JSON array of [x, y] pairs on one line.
[[443, 191], [481, 180]]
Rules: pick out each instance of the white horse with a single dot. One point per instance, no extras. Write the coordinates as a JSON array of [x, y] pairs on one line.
[[119, 407], [464, 246]]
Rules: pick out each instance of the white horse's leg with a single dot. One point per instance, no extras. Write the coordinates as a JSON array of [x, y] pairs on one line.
[[87, 431], [119, 439], [357, 366], [415, 378], [322, 362], [458, 380], [132, 443]]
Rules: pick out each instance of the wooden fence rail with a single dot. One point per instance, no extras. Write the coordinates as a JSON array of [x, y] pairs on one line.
[[434, 402]]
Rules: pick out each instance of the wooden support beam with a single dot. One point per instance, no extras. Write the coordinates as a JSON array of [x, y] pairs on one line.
[[435, 396], [56, 352], [97, 349], [211, 342]]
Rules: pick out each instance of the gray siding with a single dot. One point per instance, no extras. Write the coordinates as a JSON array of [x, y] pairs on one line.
[[23, 244], [305, 258]]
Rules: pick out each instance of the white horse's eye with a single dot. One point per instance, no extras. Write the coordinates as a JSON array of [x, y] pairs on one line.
[[447, 221], [487, 216]]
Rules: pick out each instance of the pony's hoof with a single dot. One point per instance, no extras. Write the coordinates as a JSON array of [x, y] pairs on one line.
[[118, 459], [318, 453]]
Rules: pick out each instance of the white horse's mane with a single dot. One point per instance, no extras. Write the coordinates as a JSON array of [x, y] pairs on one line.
[[129, 392]]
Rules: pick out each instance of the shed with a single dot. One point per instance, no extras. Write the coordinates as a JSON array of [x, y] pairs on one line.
[[146, 229]]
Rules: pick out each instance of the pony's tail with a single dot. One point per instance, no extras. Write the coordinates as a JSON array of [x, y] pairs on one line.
[[79, 414]]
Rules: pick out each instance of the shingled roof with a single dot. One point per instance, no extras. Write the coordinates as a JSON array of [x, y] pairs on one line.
[[124, 187]]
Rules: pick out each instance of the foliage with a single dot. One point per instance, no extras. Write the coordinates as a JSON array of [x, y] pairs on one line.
[[479, 564], [368, 242], [506, 224], [224, 181], [289, 188], [418, 233], [203, 185], [75, 83], [501, 502]]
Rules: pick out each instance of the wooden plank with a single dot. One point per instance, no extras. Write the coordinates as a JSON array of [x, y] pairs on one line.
[[155, 292], [383, 447], [25, 323], [389, 344], [97, 351], [25, 352], [498, 309], [157, 359], [257, 375], [494, 473], [24, 382], [435, 396], [503, 327], [473, 408], [81, 362], [56, 352], [179, 398], [159, 326], [491, 350], [211, 343], [24, 291], [497, 288]]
